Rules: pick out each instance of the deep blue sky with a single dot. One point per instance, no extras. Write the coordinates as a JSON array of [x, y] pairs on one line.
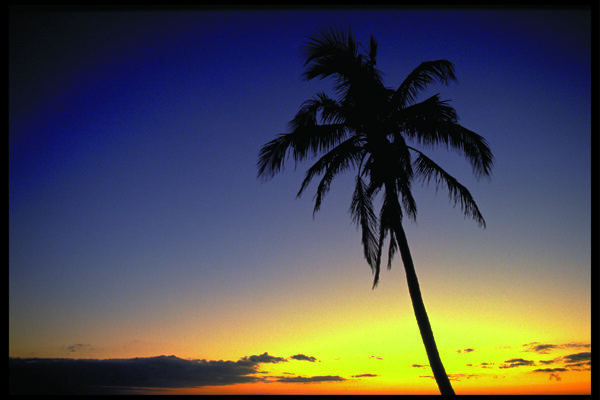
[[134, 203]]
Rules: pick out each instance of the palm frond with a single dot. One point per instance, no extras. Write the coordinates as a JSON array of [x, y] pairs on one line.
[[390, 215], [344, 154], [472, 146], [329, 52], [272, 156], [339, 159], [321, 108], [303, 142], [408, 201], [432, 109], [335, 52], [363, 215], [373, 50], [307, 138], [433, 122], [427, 170], [427, 72]]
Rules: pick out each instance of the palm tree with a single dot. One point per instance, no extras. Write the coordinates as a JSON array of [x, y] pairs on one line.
[[376, 131]]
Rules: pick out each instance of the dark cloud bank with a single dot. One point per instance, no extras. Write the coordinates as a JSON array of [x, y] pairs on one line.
[[122, 376]]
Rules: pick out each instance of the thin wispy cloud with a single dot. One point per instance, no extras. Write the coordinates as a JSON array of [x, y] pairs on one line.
[[303, 357], [555, 377], [78, 347], [550, 370], [310, 379], [454, 377], [467, 350], [365, 376], [263, 358], [516, 362], [545, 348]]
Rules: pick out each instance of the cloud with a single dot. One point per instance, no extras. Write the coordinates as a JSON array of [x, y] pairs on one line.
[[310, 379], [542, 348], [578, 357], [145, 375], [74, 348], [550, 370], [454, 377], [468, 350], [263, 358], [545, 348], [516, 362], [578, 361], [302, 357], [555, 376], [89, 376], [420, 365], [365, 376]]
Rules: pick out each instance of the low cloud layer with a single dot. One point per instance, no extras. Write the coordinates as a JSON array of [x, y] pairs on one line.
[[77, 376], [125, 376], [114, 376]]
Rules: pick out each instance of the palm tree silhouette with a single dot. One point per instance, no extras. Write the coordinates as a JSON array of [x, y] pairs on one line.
[[368, 128]]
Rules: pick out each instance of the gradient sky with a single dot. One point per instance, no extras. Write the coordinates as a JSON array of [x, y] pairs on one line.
[[138, 228]]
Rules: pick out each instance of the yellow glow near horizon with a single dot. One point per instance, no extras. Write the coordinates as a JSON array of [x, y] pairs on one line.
[[370, 339]]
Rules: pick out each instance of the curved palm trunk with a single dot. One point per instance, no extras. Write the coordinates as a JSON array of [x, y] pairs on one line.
[[422, 320]]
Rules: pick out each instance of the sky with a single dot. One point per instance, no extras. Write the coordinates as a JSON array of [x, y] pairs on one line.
[[140, 237]]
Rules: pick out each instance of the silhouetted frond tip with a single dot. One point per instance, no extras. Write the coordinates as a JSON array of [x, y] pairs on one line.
[[427, 170], [363, 215], [272, 156], [343, 157], [427, 72]]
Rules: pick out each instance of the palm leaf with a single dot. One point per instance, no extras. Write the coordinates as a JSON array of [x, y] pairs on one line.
[[331, 52], [321, 106], [427, 72], [334, 52], [302, 143], [361, 211], [272, 155], [307, 137], [433, 122], [373, 50], [432, 109], [339, 159], [390, 215], [427, 170]]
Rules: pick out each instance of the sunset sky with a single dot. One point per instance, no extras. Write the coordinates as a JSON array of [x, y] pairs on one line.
[[139, 234]]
